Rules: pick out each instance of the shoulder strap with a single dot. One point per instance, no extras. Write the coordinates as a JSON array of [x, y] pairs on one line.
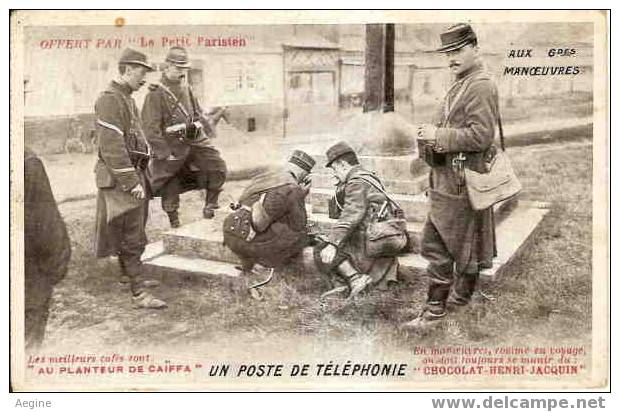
[[176, 101], [501, 130], [122, 102], [464, 86], [379, 188]]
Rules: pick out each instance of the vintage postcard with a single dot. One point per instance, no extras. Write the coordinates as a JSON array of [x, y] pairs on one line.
[[309, 200]]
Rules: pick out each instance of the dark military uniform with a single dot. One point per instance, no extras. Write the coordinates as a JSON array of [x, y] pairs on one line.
[[193, 165], [283, 201], [121, 218], [456, 239], [47, 248], [354, 204]]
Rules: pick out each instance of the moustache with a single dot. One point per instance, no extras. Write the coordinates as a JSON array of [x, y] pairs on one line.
[[455, 64]]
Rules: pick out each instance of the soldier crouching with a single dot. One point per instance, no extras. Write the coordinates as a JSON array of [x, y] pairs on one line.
[[359, 195], [179, 135], [269, 226]]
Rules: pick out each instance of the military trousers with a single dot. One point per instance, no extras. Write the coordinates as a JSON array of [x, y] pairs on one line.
[[443, 277], [274, 248], [127, 232], [203, 168], [35, 321]]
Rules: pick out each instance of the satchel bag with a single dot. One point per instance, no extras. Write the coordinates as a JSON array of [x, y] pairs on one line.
[[498, 184], [386, 238], [239, 224]]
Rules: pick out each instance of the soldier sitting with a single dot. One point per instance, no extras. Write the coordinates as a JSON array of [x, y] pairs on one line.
[[358, 195], [269, 225]]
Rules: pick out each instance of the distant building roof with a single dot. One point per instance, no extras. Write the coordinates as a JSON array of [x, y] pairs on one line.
[[310, 42]]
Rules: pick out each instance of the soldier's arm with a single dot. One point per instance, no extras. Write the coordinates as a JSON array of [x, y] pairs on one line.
[[207, 124], [112, 149], [275, 204], [152, 124], [45, 233], [296, 208], [479, 131], [353, 212]]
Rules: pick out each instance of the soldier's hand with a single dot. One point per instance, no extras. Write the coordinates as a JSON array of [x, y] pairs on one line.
[[138, 192], [328, 253], [305, 185], [426, 132]]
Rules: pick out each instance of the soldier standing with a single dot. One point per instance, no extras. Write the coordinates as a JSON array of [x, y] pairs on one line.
[[47, 249], [359, 195], [457, 241], [178, 133], [122, 206]]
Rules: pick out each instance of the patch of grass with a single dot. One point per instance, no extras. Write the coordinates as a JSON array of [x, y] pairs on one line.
[[543, 296]]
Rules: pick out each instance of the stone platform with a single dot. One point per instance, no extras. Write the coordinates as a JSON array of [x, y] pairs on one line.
[[197, 248]]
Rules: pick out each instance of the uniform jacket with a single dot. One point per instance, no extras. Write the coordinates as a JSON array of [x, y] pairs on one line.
[[466, 125], [158, 113], [358, 202], [46, 242], [284, 206], [118, 131]]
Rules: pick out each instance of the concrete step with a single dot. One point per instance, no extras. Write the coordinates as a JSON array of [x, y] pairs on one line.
[[324, 224], [512, 234], [204, 239], [201, 239], [169, 263], [412, 186], [415, 206]]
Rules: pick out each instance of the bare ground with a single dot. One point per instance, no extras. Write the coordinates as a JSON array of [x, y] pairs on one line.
[[544, 296]]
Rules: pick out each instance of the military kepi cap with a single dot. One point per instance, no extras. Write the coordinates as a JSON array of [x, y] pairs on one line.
[[131, 56], [456, 37], [178, 56], [303, 160], [338, 150]]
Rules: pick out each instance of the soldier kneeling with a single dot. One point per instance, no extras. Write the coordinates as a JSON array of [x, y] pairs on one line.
[[359, 199]]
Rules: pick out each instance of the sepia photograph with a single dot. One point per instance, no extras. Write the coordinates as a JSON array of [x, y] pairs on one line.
[[349, 201]]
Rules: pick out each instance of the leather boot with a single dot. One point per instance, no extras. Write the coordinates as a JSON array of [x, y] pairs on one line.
[[124, 278], [264, 274], [357, 281], [142, 299], [434, 310], [211, 203], [145, 300], [173, 217], [462, 290]]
